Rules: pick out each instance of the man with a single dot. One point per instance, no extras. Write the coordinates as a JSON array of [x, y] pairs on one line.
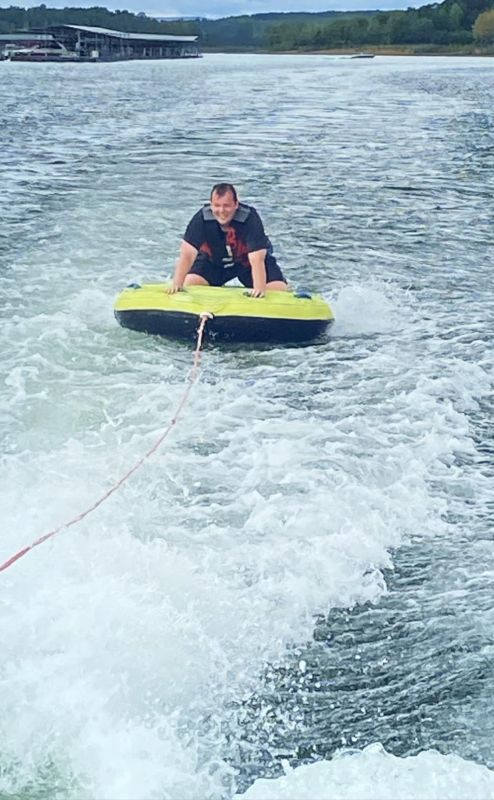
[[226, 240]]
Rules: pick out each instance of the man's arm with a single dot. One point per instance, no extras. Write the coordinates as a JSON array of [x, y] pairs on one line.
[[257, 261], [186, 258]]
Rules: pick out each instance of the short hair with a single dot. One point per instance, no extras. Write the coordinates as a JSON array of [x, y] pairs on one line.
[[223, 188]]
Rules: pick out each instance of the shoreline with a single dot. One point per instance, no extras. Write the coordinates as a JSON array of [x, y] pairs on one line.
[[397, 50]]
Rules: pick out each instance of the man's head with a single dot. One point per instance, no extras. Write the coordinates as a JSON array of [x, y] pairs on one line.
[[224, 202]]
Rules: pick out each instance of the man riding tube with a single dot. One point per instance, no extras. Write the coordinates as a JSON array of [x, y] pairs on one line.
[[225, 239]]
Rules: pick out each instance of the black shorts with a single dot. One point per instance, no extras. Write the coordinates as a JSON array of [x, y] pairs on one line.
[[218, 276]]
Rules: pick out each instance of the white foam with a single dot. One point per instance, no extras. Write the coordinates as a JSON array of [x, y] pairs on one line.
[[363, 309], [374, 774]]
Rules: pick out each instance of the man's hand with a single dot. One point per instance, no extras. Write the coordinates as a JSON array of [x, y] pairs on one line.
[[173, 288], [257, 261], [185, 260]]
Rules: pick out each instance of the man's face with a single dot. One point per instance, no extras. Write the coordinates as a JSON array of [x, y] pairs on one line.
[[223, 207]]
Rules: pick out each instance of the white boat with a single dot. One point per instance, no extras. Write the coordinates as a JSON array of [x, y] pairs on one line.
[[53, 52]]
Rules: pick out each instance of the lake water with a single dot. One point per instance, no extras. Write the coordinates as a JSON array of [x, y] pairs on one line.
[[299, 583]]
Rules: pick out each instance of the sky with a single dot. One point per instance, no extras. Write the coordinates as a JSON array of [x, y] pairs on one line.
[[223, 8]]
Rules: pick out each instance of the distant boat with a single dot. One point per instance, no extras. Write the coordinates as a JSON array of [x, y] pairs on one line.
[[362, 55], [54, 52]]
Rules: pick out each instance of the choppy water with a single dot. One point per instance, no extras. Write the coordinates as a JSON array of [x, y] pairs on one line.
[[307, 564]]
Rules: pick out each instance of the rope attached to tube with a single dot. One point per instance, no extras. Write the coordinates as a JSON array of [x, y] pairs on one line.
[[192, 378]]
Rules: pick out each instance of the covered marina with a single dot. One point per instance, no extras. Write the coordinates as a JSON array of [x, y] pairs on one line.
[[109, 45], [103, 44]]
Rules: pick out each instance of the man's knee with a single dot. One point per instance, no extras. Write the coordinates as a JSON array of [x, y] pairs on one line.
[[195, 280], [277, 286]]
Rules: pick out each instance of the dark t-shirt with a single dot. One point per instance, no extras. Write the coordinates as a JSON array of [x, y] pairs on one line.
[[244, 235]]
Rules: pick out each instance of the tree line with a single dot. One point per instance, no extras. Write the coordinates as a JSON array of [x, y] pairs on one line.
[[253, 32], [451, 23], [15, 18]]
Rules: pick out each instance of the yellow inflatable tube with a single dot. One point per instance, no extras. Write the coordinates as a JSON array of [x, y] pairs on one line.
[[234, 314]]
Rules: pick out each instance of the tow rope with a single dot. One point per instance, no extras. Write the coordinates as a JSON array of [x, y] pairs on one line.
[[191, 380]]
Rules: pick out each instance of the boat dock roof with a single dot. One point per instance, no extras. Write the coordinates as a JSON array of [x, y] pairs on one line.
[[151, 37]]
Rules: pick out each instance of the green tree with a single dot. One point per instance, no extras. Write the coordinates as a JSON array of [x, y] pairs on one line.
[[421, 29], [456, 16], [483, 29], [377, 27], [397, 28]]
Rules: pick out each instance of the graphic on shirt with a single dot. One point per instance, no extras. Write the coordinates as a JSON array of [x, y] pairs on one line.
[[236, 246], [228, 259], [205, 248]]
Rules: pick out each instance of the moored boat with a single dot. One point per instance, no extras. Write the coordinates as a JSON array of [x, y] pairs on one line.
[[53, 52]]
